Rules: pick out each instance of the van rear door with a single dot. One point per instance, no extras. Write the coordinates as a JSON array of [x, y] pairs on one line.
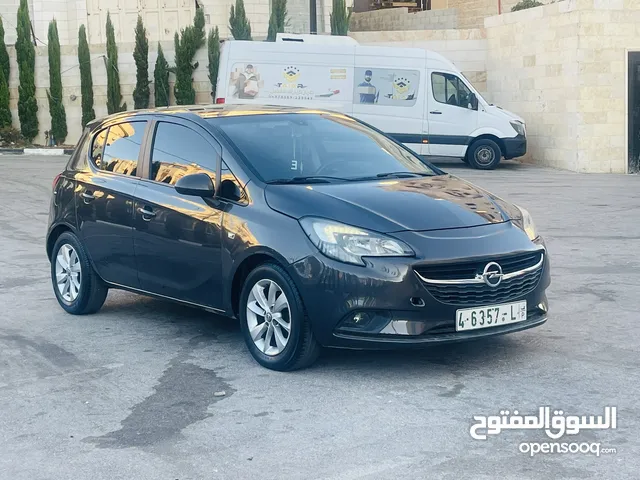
[[451, 120], [389, 92]]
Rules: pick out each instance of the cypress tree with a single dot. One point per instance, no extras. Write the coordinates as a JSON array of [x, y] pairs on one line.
[[213, 49], [26, 55], [5, 65], [239, 24], [186, 46], [113, 76], [5, 70], [5, 109], [161, 80], [141, 57], [277, 20], [86, 80], [339, 18], [54, 95]]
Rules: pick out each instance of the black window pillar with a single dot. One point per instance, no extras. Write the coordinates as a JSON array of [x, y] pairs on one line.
[[313, 17]]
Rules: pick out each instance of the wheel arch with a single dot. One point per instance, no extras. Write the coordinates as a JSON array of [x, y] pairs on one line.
[[488, 136], [54, 234]]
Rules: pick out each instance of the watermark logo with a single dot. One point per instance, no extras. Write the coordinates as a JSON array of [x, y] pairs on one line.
[[555, 423]]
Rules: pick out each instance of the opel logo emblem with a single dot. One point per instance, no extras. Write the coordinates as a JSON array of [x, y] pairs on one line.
[[492, 274]]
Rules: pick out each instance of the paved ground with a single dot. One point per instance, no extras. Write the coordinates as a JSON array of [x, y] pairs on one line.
[[129, 393]]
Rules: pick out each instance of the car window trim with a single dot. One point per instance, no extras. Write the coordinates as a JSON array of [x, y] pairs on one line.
[[92, 164], [182, 122]]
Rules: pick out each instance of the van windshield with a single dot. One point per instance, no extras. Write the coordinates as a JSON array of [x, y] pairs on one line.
[[300, 147]]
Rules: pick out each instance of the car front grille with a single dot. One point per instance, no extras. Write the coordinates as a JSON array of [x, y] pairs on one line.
[[459, 283]]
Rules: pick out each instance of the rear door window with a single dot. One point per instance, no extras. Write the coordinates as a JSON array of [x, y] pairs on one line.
[[122, 148]]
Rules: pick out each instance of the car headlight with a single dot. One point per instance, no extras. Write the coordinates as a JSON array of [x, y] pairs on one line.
[[349, 244], [526, 224], [518, 127]]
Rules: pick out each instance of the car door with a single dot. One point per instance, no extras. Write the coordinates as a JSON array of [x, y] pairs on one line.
[[104, 200], [451, 118], [177, 237]]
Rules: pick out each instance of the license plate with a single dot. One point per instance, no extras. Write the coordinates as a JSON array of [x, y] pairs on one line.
[[490, 316]]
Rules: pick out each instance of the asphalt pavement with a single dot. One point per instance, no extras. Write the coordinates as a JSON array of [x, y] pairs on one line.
[[147, 389]]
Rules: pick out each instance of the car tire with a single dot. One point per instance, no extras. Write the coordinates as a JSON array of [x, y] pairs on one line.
[[484, 154], [280, 336], [78, 289]]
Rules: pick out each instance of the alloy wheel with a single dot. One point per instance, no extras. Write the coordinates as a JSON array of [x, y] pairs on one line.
[[268, 317], [485, 155], [68, 273]]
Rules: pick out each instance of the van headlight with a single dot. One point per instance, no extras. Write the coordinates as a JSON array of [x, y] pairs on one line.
[[518, 127], [526, 224], [349, 244]]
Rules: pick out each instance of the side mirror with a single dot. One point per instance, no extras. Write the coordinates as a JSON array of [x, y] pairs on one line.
[[229, 190], [473, 101], [196, 184]]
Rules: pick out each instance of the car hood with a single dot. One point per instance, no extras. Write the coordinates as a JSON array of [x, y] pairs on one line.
[[502, 113], [416, 204]]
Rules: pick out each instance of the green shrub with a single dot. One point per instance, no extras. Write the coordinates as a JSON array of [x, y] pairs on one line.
[[55, 94], [239, 24], [186, 46], [524, 4], [213, 51], [10, 136], [114, 96], [161, 80], [141, 56], [339, 18], [26, 56], [277, 20], [86, 80]]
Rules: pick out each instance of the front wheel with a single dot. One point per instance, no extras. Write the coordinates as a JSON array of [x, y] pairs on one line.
[[484, 154], [273, 321]]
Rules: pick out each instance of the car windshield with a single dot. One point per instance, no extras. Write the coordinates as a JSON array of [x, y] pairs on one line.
[[301, 148]]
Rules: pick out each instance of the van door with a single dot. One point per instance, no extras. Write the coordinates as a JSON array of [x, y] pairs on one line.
[[451, 118], [389, 93]]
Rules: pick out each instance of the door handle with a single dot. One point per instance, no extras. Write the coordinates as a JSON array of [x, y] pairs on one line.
[[147, 215], [88, 196], [436, 112]]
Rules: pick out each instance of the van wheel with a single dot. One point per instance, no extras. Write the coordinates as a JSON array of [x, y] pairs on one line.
[[484, 154], [274, 322]]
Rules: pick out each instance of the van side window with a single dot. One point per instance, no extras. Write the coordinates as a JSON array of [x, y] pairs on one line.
[[449, 89], [386, 86]]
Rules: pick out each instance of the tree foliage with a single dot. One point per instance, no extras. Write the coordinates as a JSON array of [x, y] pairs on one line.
[[5, 65], [339, 17], [239, 24], [186, 46], [141, 57], [26, 56], [86, 79], [524, 4], [5, 69], [277, 20], [161, 80], [114, 97], [213, 52], [55, 94]]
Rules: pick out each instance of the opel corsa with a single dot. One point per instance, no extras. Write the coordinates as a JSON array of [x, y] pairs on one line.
[[312, 228]]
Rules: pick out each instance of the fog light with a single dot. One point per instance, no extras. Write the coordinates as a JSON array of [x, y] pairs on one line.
[[361, 319], [365, 321]]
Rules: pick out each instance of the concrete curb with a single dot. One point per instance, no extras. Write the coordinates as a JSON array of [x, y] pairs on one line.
[[36, 151]]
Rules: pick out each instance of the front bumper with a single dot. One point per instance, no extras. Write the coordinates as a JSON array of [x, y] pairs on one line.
[[400, 309], [515, 147]]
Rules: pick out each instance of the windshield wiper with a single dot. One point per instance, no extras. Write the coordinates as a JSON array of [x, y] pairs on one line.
[[307, 179], [403, 174]]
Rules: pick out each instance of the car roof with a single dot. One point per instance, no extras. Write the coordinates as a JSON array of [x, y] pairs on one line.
[[211, 111]]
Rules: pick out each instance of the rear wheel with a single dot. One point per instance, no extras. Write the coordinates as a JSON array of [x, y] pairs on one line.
[[484, 154], [77, 287], [273, 320]]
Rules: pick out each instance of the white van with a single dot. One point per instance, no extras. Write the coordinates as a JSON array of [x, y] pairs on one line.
[[417, 97]]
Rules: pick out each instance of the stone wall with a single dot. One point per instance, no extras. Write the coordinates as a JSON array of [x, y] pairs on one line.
[[562, 67], [467, 49], [400, 19]]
